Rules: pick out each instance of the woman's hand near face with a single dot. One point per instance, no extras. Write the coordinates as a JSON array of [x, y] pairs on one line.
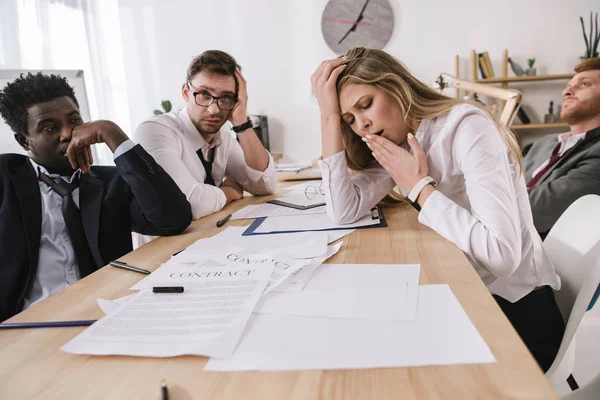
[[324, 87], [406, 169]]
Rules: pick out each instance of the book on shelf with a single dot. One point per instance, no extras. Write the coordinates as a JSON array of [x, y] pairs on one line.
[[485, 65], [523, 117]]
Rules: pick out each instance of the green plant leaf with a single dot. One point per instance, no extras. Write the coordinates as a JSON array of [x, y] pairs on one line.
[[157, 112], [166, 105]]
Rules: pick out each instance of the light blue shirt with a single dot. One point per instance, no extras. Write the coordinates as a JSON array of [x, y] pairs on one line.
[[57, 265]]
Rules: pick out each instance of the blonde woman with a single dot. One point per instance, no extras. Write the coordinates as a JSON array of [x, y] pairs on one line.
[[459, 169]]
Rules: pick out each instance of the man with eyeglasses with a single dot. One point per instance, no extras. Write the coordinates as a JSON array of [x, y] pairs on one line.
[[203, 157]]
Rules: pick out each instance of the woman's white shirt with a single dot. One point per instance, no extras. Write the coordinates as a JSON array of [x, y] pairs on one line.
[[481, 202]]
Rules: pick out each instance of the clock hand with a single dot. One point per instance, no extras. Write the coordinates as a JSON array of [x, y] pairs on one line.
[[360, 17], [345, 21]]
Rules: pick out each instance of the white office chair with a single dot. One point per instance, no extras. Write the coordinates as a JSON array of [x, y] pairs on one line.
[[591, 391], [573, 245]]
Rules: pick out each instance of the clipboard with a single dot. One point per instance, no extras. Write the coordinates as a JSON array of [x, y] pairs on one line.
[[376, 214], [296, 206]]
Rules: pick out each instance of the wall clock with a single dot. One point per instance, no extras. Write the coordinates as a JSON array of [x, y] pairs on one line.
[[350, 23]]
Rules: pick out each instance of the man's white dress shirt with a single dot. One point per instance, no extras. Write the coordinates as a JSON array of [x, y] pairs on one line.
[[481, 202], [172, 139]]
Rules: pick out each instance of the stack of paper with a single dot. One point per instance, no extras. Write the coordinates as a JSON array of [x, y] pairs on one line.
[[441, 334], [222, 284], [207, 319], [294, 167]]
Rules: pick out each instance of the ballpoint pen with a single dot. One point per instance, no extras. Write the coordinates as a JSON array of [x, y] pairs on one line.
[[121, 264], [222, 222], [46, 324]]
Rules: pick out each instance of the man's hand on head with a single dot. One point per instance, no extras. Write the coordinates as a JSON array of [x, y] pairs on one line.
[[85, 135], [238, 114]]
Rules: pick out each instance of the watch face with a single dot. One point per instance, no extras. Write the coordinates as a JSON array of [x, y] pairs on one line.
[[350, 23]]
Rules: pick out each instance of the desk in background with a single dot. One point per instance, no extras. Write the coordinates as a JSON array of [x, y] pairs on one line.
[[33, 366]]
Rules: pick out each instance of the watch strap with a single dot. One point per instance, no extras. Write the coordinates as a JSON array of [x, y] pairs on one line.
[[242, 127], [417, 189]]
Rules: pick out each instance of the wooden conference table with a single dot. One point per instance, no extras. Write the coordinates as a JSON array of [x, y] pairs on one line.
[[33, 366]]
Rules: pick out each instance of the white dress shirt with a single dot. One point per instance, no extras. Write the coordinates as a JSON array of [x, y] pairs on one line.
[[57, 265], [172, 139], [566, 140], [481, 202]]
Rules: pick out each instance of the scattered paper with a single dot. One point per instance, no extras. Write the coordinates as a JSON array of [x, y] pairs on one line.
[[273, 210], [441, 334], [294, 244], [300, 223], [293, 166], [207, 319], [301, 199], [359, 291], [186, 268]]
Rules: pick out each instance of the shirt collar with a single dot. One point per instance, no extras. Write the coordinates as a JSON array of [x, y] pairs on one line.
[[37, 168], [193, 136]]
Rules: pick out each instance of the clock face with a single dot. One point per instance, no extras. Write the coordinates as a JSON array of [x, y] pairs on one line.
[[351, 23]]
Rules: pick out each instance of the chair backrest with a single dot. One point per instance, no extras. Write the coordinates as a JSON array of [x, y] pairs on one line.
[[512, 98], [570, 243], [590, 391], [573, 245]]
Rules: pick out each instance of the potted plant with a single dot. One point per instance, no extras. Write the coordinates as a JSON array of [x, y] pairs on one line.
[[591, 42], [166, 107], [531, 71]]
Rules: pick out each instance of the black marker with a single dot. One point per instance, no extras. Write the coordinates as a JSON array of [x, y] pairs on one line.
[[222, 222], [167, 289]]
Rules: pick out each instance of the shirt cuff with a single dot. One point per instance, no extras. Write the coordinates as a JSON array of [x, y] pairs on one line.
[[123, 148], [221, 199], [256, 175], [335, 163], [434, 209]]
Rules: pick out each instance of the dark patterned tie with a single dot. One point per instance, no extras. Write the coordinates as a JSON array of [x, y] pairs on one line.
[[72, 217], [553, 159], [207, 165]]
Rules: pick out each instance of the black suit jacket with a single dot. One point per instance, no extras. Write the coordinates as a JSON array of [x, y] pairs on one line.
[[136, 195]]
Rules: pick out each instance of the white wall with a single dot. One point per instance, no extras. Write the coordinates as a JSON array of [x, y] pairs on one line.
[[279, 44]]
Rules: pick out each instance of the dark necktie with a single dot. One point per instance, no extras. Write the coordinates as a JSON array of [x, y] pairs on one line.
[[72, 217], [553, 159], [207, 165]]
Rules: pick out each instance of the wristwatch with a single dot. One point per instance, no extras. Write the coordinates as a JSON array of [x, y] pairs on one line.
[[242, 127], [416, 191]]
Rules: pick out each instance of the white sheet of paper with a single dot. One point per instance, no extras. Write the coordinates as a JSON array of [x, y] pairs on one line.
[[301, 187], [298, 279], [441, 334], [297, 245], [189, 267], [358, 291], [293, 166], [207, 319], [300, 198], [273, 210], [108, 306], [315, 222]]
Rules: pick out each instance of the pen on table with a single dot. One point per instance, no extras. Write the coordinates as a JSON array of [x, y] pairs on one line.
[[222, 222], [167, 289], [121, 264], [47, 324], [164, 392]]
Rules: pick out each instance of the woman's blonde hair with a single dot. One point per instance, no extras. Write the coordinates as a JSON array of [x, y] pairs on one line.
[[416, 100]]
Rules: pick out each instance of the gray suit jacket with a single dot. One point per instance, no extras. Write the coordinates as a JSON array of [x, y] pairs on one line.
[[576, 174]]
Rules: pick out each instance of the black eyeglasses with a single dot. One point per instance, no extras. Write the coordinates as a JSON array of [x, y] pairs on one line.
[[205, 99]]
